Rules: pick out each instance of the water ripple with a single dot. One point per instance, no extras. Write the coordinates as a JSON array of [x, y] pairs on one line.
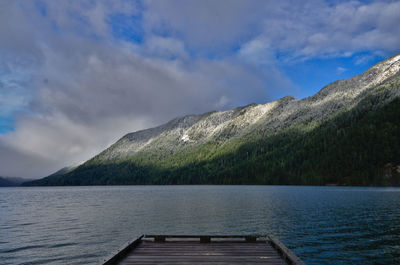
[[22, 248], [82, 225]]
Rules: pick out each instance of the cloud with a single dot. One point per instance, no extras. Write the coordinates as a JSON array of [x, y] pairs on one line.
[[205, 26], [320, 29], [164, 47], [12, 98], [43, 144], [341, 70], [87, 90], [77, 75], [316, 28]]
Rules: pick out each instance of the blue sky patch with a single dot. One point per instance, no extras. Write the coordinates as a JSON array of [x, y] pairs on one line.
[[127, 27], [313, 74], [6, 125]]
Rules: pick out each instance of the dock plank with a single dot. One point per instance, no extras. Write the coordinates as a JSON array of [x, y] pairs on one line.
[[212, 253], [230, 250]]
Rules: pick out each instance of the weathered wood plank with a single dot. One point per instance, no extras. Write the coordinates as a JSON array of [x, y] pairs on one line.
[[223, 257], [205, 260], [198, 236], [272, 262], [205, 251], [199, 252], [209, 247], [188, 243], [238, 246], [225, 249]]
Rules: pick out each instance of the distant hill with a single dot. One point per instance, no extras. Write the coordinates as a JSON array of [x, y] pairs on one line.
[[11, 181], [347, 134], [65, 170]]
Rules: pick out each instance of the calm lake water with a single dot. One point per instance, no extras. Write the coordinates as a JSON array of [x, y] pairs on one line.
[[82, 225]]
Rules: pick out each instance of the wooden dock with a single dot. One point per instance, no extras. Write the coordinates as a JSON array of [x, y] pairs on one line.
[[202, 249]]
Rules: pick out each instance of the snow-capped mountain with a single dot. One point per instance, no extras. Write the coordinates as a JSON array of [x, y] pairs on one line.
[[268, 118], [205, 145]]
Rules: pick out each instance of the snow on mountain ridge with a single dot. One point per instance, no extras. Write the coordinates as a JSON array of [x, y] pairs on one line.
[[194, 130]]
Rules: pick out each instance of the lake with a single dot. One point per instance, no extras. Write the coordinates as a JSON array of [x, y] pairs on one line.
[[82, 225]]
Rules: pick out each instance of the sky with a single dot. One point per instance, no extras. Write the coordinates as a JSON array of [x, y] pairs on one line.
[[75, 76]]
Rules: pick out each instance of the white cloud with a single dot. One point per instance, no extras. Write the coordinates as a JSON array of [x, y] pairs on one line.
[[87, 92], [341, 70], [257, 51], [320, 29], [164, 47], [82, 88], [208, 25]]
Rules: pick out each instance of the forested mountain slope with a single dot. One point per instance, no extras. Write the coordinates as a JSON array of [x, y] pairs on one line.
[[348, 133]]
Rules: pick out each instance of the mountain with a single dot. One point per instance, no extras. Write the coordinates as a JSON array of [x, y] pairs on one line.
[[347, 134], [11, 181], [65, 170]]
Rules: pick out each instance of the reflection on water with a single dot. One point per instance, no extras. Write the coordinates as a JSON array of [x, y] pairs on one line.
[[76, 225]]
